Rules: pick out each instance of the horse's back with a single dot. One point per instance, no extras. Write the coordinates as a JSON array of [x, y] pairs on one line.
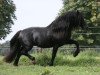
[[33, 35]]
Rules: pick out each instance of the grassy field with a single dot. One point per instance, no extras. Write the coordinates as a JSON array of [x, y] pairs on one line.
[[86, 63]]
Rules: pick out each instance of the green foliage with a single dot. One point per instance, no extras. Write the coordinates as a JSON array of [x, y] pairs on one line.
[[85, 58], [46, 72], [43, 59], [1, 62], [7, 10], [91, 11], [86, 63]]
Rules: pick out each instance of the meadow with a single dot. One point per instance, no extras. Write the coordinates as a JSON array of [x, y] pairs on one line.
[[86, 63]]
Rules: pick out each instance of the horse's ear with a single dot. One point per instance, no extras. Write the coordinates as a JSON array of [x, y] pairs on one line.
[[77, 12]]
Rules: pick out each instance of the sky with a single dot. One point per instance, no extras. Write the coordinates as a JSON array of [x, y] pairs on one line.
[[34, 13]]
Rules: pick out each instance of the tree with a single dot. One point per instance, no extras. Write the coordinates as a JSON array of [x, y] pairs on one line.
[[91, 14], [7, 16]]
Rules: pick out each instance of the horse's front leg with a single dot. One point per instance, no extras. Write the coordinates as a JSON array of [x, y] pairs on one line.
[[77, 46], [54, 51]]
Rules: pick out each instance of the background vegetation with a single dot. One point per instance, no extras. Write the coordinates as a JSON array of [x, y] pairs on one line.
[[7, 15], [86, 63], [91, 12]]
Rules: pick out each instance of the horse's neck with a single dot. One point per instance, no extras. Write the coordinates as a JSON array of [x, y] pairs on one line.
[[63, 32]]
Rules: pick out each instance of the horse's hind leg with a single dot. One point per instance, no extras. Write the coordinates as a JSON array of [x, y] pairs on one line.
[[25, 51], [17, 59], [29, 56], [77, 46]]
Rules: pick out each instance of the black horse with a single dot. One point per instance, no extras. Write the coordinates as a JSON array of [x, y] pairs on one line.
[[58, 33]]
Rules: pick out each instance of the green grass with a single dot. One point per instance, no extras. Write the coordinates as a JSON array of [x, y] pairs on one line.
[[40, 70], [86, 63]]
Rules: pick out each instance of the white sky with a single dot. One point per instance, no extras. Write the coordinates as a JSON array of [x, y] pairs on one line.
[[34, 13]]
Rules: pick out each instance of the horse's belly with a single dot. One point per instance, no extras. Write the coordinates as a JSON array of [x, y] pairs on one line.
[[46, 44]]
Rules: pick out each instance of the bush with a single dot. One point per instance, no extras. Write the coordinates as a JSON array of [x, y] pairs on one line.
[[47, 72]]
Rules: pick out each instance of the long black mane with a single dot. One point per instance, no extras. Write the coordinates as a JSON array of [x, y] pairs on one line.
[[68, 19]]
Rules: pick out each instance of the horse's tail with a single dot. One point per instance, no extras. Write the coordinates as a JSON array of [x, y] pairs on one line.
[[14, 47]]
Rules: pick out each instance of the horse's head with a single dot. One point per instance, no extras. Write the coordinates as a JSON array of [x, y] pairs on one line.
[[80, 20]]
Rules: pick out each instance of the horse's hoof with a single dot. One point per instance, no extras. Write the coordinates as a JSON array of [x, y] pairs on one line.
[[34, 62], [15, 65], [75, 54], [50, 64]]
